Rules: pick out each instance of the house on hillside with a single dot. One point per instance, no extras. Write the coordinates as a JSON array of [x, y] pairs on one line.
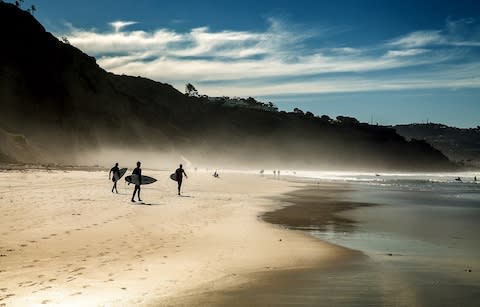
[[249, 103]]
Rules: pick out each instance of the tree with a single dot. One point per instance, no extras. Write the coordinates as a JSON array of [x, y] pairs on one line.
[[326, 118], [309, 114], [298, 111], [65, 40], [190, 90], [347, 120], [251, 101], [18, 3]]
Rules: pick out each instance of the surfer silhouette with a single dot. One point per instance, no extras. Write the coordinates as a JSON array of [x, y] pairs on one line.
[[115, 172], [137, 171], [179, 174]]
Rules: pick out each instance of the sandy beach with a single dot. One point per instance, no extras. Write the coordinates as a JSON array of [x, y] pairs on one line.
[[67, 240]]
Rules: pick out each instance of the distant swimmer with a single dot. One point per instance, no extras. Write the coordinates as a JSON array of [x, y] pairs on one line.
[[137, 171], [179, 174], [215, 174], [115, 172]]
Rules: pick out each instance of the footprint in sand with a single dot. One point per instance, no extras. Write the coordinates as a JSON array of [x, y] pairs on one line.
[[28, 266]]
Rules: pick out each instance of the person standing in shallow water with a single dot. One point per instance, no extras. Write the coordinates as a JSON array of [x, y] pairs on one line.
[[179, 174], [137, 171], [115, 172]]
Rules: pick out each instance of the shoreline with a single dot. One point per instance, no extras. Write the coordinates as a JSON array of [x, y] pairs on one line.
[[297, 211], [66, 239], [399, 266]]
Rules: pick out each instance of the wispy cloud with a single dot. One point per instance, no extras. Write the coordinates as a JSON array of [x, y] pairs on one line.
[[406, 52], [455, 33], [279, 59], [118, 25], [419, 39]]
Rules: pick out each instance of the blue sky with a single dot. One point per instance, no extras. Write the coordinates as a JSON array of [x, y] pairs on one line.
[[393, 61]]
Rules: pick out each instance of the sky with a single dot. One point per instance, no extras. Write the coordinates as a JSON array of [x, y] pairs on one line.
[[385, 62]]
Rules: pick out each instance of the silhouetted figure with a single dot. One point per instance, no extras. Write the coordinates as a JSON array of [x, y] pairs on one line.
[[475, 178], [278, 173], [274, 173], [115, 172], [261, 172], [458, 179], [137, 171], [179, 173], [215, 174]]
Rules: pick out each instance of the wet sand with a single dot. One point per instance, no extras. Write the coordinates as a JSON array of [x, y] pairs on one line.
[[396, 272]]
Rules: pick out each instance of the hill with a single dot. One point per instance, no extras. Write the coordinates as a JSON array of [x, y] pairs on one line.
[[66, 106], [460, 145]]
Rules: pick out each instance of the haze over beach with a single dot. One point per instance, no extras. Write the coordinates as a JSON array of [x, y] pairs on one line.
[[256, 153]]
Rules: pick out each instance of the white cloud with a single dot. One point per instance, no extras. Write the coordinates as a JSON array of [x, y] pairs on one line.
[[346, 50], [118, 25], [404, 53], [418, 39], [253, 59], [460, 32]]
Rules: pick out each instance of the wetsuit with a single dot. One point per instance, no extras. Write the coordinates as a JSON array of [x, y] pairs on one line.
[[137, 171], [115, 174], [179, 174]]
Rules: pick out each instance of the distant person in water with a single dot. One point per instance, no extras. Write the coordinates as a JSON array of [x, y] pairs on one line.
[[137, 171], [179, 174], [115, 172], [215, 174]]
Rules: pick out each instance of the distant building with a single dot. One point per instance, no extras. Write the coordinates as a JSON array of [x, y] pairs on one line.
[[249, 103]]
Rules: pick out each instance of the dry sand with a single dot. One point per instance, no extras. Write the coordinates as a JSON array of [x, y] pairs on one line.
[[66, 239]]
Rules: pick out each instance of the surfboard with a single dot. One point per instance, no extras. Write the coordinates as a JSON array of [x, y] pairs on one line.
[[173, 177], [121, 172], [145, 179]]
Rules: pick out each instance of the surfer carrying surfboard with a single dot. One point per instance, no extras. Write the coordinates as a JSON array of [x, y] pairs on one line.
[[115, 172], [137, 171], [179, 176]]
